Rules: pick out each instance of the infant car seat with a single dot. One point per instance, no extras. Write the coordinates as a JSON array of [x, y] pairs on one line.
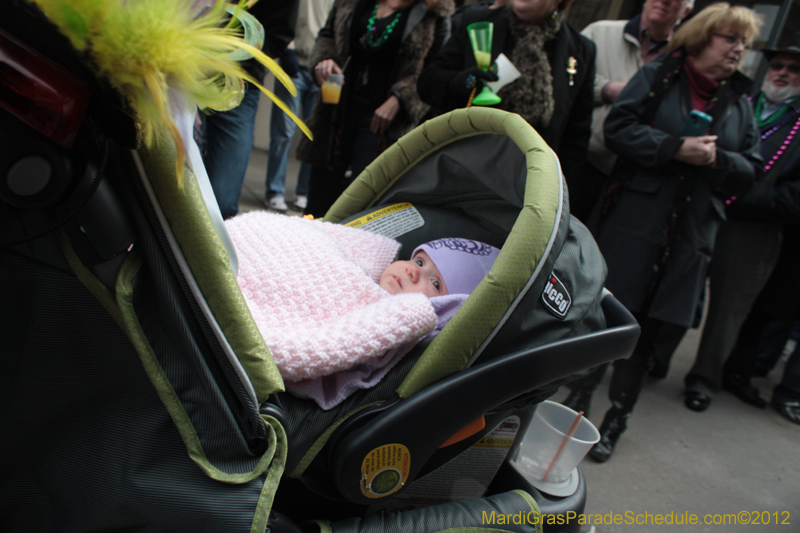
[[539, 316]]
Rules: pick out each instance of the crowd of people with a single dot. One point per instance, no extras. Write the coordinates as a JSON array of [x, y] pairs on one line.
[[669, 208], [721, 206]]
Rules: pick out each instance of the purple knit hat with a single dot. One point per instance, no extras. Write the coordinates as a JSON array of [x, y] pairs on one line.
[[462, 262]]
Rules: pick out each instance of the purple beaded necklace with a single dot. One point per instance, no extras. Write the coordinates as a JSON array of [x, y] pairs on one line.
[[780, 151], [786, 141]]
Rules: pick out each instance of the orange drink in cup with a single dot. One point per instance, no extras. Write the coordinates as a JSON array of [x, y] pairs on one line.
[[332, 89]]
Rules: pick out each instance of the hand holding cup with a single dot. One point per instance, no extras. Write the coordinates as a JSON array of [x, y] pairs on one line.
[[324, 69]]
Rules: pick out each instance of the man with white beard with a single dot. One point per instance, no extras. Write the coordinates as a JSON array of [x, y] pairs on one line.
[[748, 245], [781, 87]]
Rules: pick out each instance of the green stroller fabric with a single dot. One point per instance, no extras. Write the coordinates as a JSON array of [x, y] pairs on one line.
[[184, 211], [118, 372]]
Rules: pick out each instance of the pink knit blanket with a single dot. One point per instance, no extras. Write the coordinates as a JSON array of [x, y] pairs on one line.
[[312, 288]]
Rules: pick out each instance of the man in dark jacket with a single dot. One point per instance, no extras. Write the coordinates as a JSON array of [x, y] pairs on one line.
[[748, 246]]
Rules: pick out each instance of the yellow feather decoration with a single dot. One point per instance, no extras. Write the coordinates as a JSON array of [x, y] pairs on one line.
[[147, 48]]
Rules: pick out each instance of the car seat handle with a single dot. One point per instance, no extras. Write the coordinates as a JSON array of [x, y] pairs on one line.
[[421, 423]]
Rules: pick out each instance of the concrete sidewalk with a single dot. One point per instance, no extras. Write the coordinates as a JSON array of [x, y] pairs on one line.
[[254, 187], [733, 458], [726, 460]]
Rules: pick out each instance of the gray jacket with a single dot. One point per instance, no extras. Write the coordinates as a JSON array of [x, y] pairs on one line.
[[630, 235]]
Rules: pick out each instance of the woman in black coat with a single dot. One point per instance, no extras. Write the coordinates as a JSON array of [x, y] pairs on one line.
[[554, 93], [657, 222], [388, 43]]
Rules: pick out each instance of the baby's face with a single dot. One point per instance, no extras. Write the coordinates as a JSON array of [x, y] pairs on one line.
[[418, 275]]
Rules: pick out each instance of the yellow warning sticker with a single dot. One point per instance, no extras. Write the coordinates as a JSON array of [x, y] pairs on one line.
[[391, 221], [494, 442], [384, 470]]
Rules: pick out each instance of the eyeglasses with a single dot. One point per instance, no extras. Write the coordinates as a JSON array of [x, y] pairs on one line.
[[732, 39], [793, 68]]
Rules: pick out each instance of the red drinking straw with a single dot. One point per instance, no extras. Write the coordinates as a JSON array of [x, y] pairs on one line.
[[563, 443]]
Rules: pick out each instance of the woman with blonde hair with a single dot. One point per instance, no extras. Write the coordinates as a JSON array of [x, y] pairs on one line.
[[657, 221], [696, 34]]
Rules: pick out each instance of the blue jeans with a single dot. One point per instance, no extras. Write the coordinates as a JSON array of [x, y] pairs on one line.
[[281, 129], [772, 341], [229, 139], [788, 390]]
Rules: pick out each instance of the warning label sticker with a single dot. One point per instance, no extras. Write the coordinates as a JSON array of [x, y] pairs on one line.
[[491, 442], [465, 477], [384, 470], [391, 221]]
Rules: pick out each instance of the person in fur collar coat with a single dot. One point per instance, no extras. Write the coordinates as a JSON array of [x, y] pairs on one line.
[[382, 45]]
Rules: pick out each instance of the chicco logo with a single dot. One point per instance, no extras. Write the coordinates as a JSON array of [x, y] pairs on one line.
[[556, 297]]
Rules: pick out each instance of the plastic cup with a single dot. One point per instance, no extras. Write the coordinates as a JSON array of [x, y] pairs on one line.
[[544, 438], [332, 89], [480, 38]]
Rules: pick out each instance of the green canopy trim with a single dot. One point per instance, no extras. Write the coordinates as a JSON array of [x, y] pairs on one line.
[[188, 219]]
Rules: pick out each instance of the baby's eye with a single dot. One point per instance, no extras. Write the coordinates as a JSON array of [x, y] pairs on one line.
[[437, 285], [418, 262]]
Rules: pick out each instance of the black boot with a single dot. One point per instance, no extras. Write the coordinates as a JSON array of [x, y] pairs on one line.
[[582, 389], [614, 424], [579, 399], [740, 386], [623, 391], [660, 369], [696, 400]]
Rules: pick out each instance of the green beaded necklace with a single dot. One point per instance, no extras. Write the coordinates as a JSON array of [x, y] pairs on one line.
[[376, 42], [772, 118]]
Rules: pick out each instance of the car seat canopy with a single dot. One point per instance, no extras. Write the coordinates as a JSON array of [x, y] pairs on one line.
[[489, 166]]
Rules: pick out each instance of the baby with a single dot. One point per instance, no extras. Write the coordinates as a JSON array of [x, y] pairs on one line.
[[441, 267], [446, 271], [332, 305]]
